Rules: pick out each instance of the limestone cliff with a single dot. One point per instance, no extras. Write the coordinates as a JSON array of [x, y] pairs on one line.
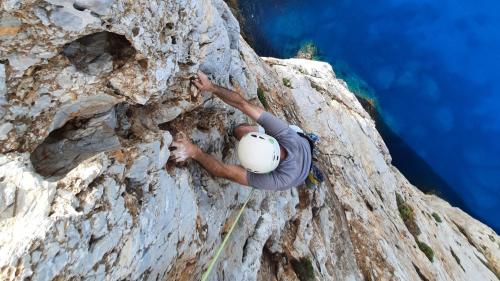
[[91, 93]]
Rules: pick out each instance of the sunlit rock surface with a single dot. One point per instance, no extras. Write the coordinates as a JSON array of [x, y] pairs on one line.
[[92, 94]]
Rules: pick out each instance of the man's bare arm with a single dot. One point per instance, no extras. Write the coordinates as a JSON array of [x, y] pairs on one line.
[[230, 97], [218, 169], [184, 149], [234, 99]]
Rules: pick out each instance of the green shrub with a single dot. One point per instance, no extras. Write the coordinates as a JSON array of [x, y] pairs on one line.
[[436, 217], [399, 199], [303, 269], [309, 51], [406, 213], [426, 249], [287, 82], [262, 98]]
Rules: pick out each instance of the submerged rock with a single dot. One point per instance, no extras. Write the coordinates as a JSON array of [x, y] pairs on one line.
[[91, 95]]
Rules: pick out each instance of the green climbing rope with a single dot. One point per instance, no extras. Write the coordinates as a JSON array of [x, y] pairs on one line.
[[205, 275]]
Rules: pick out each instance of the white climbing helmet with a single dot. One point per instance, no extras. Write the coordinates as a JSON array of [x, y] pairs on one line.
[[259, 153]]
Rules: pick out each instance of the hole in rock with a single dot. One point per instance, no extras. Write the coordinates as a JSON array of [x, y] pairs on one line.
[[78, 7], [99, 53], [76, 141], [135, 31], [93, 241], [368, 205]]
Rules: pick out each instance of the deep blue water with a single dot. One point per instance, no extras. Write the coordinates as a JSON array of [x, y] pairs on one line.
[[432, 66]]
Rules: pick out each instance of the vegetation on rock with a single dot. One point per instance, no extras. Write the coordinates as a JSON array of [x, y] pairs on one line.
[[407, 214], [426, 249], [287, 83], [436, 217], [262, 98], [303, 269], [309, 51]]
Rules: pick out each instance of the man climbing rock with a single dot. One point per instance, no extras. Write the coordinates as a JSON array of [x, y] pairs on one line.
[[274, 156]]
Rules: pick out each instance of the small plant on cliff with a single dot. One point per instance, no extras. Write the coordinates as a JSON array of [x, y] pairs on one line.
[[426, 249], [309, 51], [407, 214], [262, 98], [436, 217], [287, 83], [303, 269]]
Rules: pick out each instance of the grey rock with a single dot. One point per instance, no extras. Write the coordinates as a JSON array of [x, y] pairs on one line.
[[70, 19], [101, 88], [10, 25], [5, 128], [42, 15], [21, 62], [101, 7], [68, 146], [83, 108], [67, 20], [3, 86]]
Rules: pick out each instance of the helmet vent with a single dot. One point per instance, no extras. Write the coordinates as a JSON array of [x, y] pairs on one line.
[[261, 138], [253, 135]]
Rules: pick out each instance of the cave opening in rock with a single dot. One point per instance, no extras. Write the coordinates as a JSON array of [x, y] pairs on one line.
[[79, 139], [99, 53]]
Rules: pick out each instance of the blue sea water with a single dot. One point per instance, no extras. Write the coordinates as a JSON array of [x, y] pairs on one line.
[[432, 66]]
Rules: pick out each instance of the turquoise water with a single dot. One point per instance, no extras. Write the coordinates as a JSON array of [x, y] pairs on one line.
[[433, 68]]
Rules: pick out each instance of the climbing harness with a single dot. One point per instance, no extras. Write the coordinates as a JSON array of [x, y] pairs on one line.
[[205, 275], [315, 176]]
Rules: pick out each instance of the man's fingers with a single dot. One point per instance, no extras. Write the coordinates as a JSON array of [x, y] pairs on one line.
[[179, 159], [201, 76], [180, 139], [197, 83], [175, 157]]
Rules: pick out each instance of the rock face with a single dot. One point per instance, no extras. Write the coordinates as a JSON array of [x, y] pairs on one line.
[[91, 95]]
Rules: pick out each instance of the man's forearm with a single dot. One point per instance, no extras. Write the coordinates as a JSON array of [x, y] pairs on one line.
[[210, 163], [216, 168], [234, 99], [230, 97]]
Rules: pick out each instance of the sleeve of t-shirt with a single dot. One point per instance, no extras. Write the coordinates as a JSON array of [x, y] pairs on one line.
[[269, 181], [274, 126]]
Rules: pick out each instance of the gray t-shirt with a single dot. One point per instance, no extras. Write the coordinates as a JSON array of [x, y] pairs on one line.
[[294, 169]]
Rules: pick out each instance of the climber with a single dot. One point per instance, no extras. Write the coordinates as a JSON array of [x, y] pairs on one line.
[[274, 156]]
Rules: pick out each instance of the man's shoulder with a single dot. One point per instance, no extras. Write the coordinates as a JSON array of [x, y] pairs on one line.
[[293, 138]]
